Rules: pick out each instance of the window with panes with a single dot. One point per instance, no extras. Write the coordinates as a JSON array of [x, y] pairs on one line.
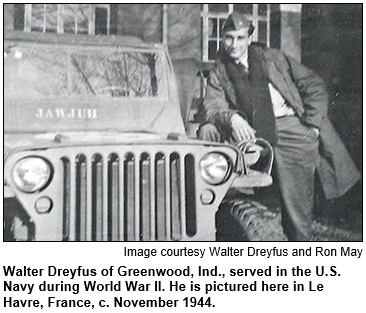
[[87, 19], [213, 18]]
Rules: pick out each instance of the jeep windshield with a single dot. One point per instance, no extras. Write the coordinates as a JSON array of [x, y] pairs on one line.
[[60, 87]]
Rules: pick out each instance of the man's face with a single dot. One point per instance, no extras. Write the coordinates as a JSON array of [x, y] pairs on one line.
[[236, 42]]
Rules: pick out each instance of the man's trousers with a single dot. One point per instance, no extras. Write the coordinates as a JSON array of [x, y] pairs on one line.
[[296, 157]]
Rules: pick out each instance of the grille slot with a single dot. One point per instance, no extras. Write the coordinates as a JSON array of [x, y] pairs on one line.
[[81, 198], [175, 199], [114, 217], [145, 198], [160, 197], [190, 196], [129, 196]]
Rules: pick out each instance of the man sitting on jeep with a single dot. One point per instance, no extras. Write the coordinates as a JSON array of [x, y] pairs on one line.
[[254, 91]]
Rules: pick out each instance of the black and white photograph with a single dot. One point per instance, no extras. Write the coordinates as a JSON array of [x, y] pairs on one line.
[[183, 157], [183, 122]]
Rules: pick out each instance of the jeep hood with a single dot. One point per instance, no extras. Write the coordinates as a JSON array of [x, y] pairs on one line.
[[51, 139]]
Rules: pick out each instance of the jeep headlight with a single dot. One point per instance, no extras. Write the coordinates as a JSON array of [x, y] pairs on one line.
[[31, 174], [215, 168]]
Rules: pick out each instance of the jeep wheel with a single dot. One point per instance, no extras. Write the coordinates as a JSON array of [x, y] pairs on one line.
[[248, 220]]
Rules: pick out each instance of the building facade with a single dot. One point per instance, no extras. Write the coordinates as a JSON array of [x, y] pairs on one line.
[[189, 30]]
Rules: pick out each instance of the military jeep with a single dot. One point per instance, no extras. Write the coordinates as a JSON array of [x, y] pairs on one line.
[[96, 147]]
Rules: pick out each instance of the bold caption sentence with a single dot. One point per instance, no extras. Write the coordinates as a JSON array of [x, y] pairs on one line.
[[204, 282]]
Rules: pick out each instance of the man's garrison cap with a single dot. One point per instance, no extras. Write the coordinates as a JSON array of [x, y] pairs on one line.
[[236, 21]]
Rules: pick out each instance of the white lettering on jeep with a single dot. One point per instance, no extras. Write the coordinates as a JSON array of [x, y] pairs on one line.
[[61, 113]]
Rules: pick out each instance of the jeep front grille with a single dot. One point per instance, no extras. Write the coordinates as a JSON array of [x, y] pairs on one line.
[[129, 196]]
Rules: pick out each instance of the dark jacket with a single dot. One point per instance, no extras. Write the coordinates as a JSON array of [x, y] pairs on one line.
[[305, 92]]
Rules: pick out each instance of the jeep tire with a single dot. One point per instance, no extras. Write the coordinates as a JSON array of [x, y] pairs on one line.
[[248, 220]]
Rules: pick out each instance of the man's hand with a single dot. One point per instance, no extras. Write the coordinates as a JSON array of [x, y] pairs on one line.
[[241, 128]]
